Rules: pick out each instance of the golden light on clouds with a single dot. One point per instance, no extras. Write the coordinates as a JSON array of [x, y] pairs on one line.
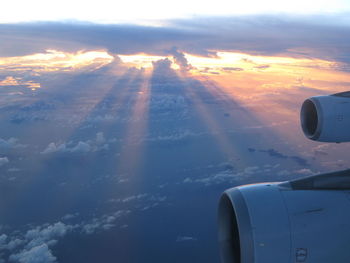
[[227, 62], [53, 60], [9, 81], [245, 75], [12, 81]]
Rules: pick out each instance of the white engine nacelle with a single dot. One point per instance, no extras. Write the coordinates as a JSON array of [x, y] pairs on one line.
[[327, 118], [306, 220]]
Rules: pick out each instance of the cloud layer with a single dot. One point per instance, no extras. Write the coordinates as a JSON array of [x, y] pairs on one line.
[[316, 36]]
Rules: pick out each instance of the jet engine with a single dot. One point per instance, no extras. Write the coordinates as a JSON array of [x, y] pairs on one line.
[[327, 118]]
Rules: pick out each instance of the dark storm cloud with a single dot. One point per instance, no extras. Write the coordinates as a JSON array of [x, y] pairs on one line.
[[324, 37]]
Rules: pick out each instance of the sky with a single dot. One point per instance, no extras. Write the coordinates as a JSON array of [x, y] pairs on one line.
[[129, 117], [107, 11]]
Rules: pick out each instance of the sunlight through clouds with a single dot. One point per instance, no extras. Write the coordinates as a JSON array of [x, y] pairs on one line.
[[110, 133], [54, 60]]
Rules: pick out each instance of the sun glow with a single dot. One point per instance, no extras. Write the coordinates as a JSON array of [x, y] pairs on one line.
[[54, 60], [228, 62]]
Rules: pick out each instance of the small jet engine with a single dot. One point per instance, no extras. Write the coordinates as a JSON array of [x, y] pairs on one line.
[[327, 118]]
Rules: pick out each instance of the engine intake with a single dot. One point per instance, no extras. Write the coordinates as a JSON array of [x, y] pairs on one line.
[[305, 220]]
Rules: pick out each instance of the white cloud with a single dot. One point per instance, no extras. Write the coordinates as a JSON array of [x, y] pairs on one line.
[[33, 245], [3, 160], [185, 238], [221, 177], [14, 243], [229, 175], [37, 254], [81, 147], [52, 148], [175, 136], [40, 235], [104, 222], [10, 143], [134, 197], [167, 102], [3, 239], [69, 216]]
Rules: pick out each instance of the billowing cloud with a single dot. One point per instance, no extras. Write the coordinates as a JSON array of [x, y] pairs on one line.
[[180, 59], [81, 147], [33, 246], [38, 254], [52, 148]]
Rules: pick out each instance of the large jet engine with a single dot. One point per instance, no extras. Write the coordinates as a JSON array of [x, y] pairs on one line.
[[304, 220]]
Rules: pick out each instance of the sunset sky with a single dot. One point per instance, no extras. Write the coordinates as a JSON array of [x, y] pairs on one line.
[[120, 118]]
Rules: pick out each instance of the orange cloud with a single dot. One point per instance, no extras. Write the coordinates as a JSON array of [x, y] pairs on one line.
[[54, 60]]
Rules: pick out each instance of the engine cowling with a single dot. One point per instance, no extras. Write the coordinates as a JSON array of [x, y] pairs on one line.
[[327, 118], [306, 220]]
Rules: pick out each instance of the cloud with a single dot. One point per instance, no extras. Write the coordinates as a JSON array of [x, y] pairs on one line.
[[180, 59], [167, 103], [313, 36], [230, 69], [52, 148], [134, 197], [97, 144], [162, 66], [262, 67], [81, 147], [230, 175], [274, 153], [223, 177], [3, 160], [100, 139], [105, 222], [11, 143], [38, 254], [40, 235], [174, 136], [70, 216], [3, 239], [33, 246], [321, 150], [185, 238]]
